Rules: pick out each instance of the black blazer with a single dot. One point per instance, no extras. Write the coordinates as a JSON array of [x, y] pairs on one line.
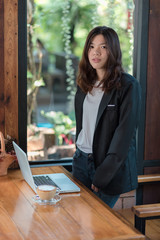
[[114, 141]]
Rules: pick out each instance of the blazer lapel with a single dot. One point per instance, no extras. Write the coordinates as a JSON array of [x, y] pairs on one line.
[[80, 96], [103, 104]]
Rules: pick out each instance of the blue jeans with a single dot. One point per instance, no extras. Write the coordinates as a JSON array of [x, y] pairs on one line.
[[83, 169]]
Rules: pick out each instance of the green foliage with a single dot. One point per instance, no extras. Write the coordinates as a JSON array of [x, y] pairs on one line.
[[32, 83], [66, 33], [62, 124], [83, 16], [63, 25]]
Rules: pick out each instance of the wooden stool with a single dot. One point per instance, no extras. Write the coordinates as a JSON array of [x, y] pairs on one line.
[[145, 212]]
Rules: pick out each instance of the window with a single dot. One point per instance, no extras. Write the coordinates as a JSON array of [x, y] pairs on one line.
[[52, 65]]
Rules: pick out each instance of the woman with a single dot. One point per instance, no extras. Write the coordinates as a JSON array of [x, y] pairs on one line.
[[107, 106]]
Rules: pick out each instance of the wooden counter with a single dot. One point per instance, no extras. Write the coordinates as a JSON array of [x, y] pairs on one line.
[[77, 216]]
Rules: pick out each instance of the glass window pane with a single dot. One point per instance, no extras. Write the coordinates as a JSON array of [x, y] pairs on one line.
[[55, 38]]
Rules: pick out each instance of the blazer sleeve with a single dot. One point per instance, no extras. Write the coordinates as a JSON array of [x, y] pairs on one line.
[[122, 138]]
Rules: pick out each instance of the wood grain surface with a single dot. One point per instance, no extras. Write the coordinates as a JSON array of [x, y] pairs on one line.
[[9, 67], [77, 216], [149, 178], [147, 210]]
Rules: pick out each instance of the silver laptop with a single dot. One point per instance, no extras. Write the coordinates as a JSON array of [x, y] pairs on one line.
[[58, 179]]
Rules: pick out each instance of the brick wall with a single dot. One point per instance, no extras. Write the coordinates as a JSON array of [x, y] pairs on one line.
[[126, 200]]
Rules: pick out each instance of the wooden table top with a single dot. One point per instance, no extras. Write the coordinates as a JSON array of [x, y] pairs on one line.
[[78, 216]]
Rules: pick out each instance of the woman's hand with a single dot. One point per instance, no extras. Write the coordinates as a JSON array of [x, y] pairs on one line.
[[94, 188]]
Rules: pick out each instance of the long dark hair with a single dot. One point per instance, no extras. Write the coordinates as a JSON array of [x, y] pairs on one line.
[[87, 75]]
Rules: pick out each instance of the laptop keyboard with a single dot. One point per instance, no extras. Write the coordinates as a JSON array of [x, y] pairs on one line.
[[40, 180]]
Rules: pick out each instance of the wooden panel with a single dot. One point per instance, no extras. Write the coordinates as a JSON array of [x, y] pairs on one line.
[[147, 210], [79, 215], [8, 229], [152, 226], [152, 132], [1, 65], [149, 178], [11, 67], [151, 193]]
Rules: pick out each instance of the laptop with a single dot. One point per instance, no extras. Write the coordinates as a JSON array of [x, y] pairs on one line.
[[60, 180]]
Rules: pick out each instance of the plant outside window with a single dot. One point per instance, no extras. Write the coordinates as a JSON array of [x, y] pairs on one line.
[[55, 39]]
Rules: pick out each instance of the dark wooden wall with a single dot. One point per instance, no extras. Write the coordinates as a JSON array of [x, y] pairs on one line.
[[147, 70], [13, 70], [2, 119], [152, 131], [9, 67]]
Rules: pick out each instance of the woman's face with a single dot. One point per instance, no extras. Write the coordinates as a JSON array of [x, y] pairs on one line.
[[98, 53]]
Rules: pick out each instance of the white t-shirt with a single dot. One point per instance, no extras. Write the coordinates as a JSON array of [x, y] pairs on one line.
[[90, 110]]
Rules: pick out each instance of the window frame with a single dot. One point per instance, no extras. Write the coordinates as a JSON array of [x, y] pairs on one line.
[[22, 79]]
